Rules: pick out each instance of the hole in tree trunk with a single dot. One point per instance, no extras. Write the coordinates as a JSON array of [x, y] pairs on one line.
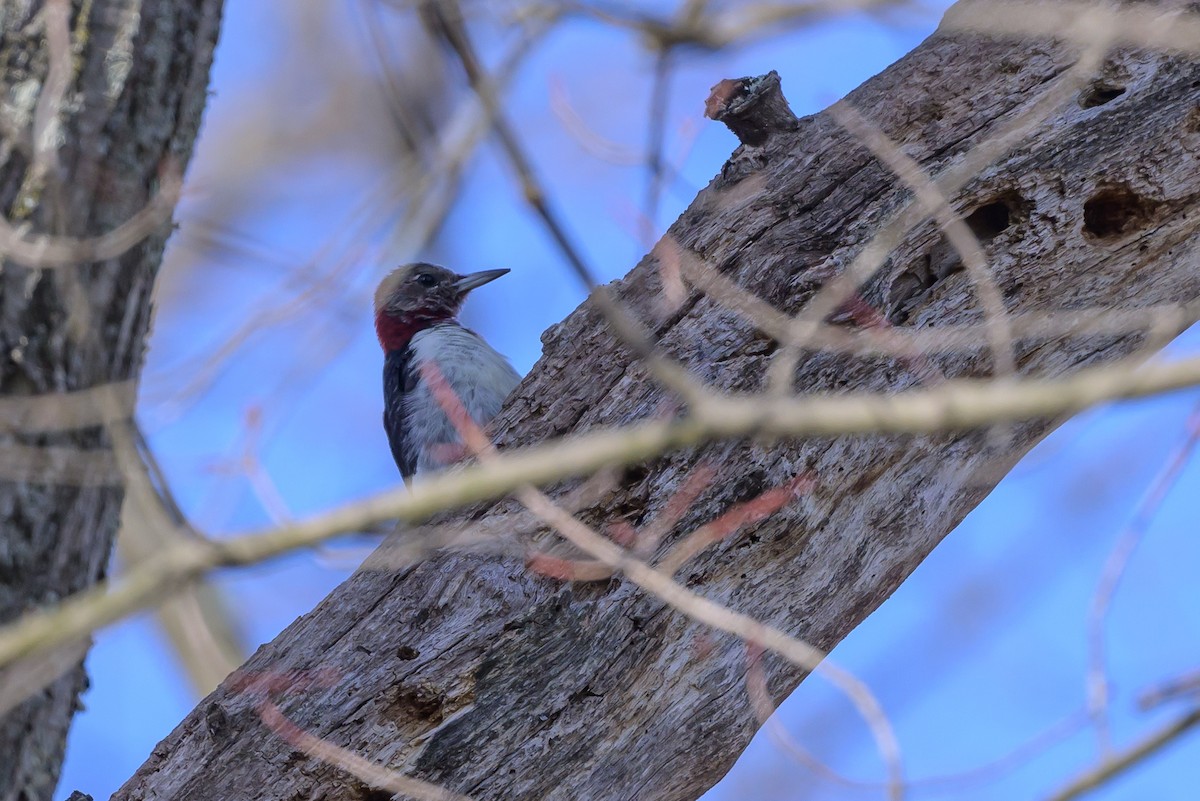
[[1116, 211], [1099, 94], [988, 221]]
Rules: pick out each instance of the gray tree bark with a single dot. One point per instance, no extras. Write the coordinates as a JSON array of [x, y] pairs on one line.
[[123, 106], [471, 671]]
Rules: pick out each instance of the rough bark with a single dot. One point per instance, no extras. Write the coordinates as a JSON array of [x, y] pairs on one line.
[[470, 671], [137, 82]]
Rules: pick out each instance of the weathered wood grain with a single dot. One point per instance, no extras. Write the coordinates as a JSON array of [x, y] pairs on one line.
[[470, 671]]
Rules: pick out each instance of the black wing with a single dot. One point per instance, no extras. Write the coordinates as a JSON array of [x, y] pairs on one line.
[[399, 378]]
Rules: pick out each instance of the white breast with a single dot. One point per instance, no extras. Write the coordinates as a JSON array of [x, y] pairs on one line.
[[479, 376]]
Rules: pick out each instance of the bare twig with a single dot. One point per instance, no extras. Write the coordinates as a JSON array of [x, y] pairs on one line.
[[724, 619], [1121, 761], [913, 343], [961, 781], [1185, 685], [444, 20], [696, 481], [736, 25], [736, 518], [58, 464], [46, 171], [358, 767], [955, 405], [197, 620], [996, 325], [1082, 23], [1097, 681], [655, 134], [43, 251], [24, 679], [430, 185], [591, 142]]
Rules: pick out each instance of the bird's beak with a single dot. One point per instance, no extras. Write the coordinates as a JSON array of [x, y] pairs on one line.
[[473, 280]]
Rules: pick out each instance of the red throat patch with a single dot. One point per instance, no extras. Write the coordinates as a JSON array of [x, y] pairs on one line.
[[396, 332]]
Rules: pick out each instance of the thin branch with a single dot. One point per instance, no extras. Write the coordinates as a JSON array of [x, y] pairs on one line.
[[444, 19], [655, 136], [955, 405], [723, 29], [1187, 684], [372, 27], [736, 518], [724, 619], [996, 325], [697, 480], [46, 173], [358, 767], [592, 142], [45, 252], [1082, 23], [908, 342], [1097, 683], [197, 620], [62, 465], [1113, 767], [21, 681]]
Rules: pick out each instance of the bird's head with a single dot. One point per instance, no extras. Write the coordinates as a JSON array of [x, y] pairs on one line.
[[416, 296]]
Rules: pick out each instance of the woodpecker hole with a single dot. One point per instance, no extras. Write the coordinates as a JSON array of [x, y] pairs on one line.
[[1100, 93], [636, 474], [407, 652], [365, 793], [912, 286], [990, 220], [1116, 211]]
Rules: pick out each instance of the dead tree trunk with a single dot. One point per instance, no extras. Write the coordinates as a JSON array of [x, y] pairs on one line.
[[473, 672], [95, 109]]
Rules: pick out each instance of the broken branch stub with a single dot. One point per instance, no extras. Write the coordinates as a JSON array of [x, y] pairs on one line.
[[753, 108]]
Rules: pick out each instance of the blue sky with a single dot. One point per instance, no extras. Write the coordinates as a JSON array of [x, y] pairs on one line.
[[981, 649]]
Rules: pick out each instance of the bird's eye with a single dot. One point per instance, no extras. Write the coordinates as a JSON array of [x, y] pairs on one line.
[[425, 279]]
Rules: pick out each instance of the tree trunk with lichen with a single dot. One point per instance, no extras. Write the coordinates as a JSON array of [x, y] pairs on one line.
[[85, 132], [473, 672]]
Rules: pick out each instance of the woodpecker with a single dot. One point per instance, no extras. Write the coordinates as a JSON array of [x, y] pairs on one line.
[[416, 309]]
